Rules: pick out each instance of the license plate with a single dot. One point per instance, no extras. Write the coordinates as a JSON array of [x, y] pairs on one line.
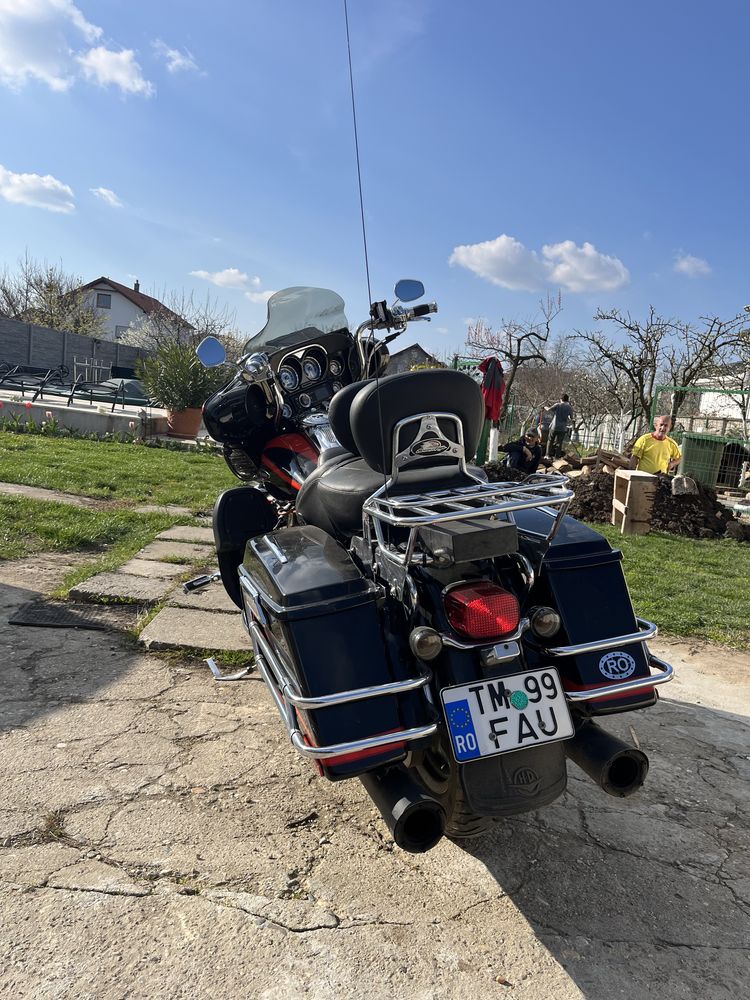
[[506, 713]]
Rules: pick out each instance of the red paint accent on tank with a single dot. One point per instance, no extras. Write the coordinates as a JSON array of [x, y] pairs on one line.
[[265, 460], [295, 442]]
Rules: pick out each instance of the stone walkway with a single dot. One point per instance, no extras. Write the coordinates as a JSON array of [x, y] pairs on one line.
[[199, 621]]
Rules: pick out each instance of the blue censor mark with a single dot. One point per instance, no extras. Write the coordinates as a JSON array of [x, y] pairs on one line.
[[462, 731]]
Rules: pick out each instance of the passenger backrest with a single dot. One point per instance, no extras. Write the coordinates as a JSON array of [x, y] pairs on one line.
[[397, 397]]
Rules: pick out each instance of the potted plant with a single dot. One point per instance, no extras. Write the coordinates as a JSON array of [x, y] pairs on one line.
[[175, 379]]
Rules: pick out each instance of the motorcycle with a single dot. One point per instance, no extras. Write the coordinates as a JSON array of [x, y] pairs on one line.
[[448, 641]]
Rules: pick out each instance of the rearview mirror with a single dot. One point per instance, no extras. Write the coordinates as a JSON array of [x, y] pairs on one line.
[[211, 352], [408, 289]]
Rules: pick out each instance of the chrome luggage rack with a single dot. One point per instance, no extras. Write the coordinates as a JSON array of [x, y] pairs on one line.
[[492, 500]]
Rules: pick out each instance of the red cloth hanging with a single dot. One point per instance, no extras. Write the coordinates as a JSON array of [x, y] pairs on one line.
[[493, 387]]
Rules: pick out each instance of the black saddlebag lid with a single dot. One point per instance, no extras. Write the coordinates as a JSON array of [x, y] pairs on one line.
[[302, 572]]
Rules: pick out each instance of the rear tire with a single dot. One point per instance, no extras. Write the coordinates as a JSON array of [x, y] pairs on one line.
[[438, 772]]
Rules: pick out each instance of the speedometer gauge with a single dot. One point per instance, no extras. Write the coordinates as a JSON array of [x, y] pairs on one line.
[[311, 369], [288, 378]]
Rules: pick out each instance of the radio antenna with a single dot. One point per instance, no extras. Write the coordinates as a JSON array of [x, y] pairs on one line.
[[356, 148], [373, 354]]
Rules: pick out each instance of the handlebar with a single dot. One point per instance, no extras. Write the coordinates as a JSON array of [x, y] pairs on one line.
[[422, 310]]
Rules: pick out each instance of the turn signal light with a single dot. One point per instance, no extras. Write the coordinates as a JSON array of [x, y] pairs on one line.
[[482, 610]]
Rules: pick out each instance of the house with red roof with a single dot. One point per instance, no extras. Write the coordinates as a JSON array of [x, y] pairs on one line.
[[122, 307]]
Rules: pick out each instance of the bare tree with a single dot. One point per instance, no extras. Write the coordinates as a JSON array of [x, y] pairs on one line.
[[631, 369], [693, 351], [732, 373], [517, 344], [47, 295], [185, 319]]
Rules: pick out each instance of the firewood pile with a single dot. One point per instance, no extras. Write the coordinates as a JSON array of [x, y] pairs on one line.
[[695, 515]]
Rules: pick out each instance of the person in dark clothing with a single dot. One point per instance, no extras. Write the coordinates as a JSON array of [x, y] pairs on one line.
[[562, 417], [526, 453]]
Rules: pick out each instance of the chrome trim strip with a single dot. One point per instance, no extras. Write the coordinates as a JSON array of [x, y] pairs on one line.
[[483, 643], [627, 687], [647, 631], [291, 693], [337, 749], [275, 549]]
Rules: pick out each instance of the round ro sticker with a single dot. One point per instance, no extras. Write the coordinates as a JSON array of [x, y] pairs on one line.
[[617, 666]]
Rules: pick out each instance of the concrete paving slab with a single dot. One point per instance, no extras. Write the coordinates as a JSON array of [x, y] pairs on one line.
[[211, 598], [168, 508], [190, 552], [57, 496], [188, 533], [152, 568], [188, 628], [126, 588]]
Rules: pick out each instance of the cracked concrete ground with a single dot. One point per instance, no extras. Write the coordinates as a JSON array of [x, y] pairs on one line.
[[159, 838]]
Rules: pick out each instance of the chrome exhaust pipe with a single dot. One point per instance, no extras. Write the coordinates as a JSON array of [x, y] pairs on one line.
[[617, 768], [415, 819]]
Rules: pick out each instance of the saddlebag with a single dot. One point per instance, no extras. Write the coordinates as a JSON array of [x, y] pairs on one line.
[[582, 577], [324, 636]]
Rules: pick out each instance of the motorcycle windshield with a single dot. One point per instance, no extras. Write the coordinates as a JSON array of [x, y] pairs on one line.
[[297, 316]]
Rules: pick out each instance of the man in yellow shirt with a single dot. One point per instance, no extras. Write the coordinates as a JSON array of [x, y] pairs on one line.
[[655, 452]]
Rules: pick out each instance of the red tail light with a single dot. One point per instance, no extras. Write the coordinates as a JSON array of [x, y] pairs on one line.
[[482, 610]]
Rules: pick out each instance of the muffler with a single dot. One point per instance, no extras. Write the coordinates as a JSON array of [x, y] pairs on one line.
[[415, 819], [616, 767]]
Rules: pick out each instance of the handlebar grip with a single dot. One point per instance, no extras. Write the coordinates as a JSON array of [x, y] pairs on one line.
[[424, 309]]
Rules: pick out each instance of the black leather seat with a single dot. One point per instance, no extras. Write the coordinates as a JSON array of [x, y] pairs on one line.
[[333, 495]]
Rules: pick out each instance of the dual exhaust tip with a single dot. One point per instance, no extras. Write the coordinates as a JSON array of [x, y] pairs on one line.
[[417, 821]]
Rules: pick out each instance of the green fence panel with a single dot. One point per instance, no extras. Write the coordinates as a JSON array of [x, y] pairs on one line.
[[701, 456]]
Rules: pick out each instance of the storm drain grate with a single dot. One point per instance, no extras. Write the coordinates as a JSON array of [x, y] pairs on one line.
[[52, 614]]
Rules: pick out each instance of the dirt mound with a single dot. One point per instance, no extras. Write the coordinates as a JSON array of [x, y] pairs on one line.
[[697, 515]]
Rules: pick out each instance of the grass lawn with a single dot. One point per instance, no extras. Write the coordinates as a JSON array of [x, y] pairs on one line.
[[691, 587], [127, 472], [112, 537]]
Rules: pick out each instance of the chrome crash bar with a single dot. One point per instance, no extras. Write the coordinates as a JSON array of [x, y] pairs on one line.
[[288, 698], [646, 630], [627, 687]]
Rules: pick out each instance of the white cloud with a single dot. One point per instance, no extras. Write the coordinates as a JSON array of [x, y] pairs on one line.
[[230, 277], [176, 61], [106, 195], [45, 40], [584, 269], [36, 190], [36, 37], [505, 261], [693, 267], [118, 69], [259, 297]]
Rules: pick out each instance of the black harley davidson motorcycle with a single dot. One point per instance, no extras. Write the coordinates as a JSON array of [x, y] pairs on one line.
[[448, 641]]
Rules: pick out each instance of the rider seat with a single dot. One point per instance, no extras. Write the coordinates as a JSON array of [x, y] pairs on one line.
[[364, 420]]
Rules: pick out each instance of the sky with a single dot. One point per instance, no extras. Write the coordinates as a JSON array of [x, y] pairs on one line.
[[508, 150]]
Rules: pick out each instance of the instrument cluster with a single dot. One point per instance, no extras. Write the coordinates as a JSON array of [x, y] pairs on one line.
[[309, 377]]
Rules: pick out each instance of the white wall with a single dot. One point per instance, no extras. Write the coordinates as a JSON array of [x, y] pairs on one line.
[[123, 311]]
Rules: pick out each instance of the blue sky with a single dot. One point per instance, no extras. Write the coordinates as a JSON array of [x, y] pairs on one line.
[[507, 150]]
